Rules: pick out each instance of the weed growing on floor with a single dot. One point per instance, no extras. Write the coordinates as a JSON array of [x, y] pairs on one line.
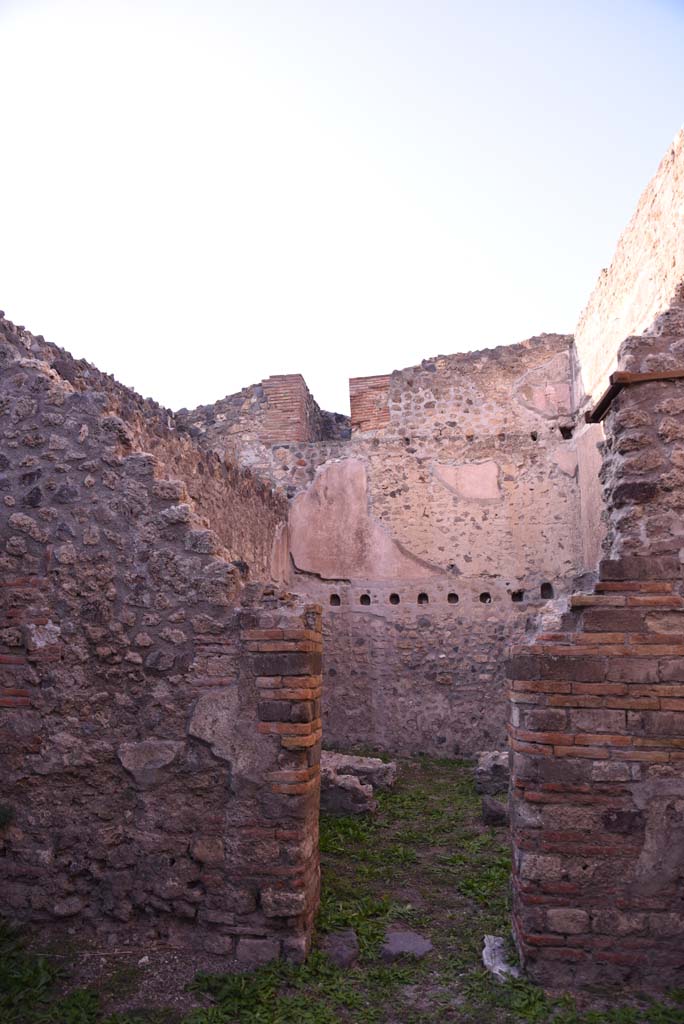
[[425, 861]]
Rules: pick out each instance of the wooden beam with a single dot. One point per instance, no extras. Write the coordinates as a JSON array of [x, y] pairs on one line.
[[626, 377], [621, 379], [604, 403]]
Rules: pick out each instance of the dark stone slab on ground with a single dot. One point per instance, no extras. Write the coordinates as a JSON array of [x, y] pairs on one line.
[[342, 947], [404, 943]]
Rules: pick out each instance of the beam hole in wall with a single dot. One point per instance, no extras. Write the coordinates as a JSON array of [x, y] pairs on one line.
[[423, 599], [517, 595], [335, 600], [534, 435], [394, 599], [566, 433], [452, 598], [365, 599], [546, 591], [485, 597]]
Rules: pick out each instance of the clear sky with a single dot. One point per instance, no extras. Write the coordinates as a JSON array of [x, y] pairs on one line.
[[196, 194]]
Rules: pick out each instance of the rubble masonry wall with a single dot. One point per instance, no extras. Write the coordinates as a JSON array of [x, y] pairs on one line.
[[444, 526], [159, 713], [597, 708]]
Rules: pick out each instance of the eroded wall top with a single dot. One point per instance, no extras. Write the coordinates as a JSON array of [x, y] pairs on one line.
[[278, 409], [468, 393], [242, 517], [469, 468], [643, 289]]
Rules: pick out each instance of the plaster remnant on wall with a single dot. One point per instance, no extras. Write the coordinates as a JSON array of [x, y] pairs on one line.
[[566, 460], [280, 554], [546, 389], [42, 635], [213, 720], [472, 481], [333, 535], [661, 860]]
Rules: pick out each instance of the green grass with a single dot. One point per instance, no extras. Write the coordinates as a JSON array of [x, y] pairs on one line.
[[424, 861]]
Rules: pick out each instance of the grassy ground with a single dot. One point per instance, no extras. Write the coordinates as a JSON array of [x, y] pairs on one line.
[[425, 861]]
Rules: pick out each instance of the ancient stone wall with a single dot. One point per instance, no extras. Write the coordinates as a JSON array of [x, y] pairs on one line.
[[641, 292], [159, 716], [161, 697], [444, 527], [369, 402], [643, 464], [597, 721], [643, 282], [246, 517], [279, 409], [597, 713]]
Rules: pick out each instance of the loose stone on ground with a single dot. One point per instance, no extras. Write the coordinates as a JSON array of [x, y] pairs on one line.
[[494, 958], [404, 943], [348, 782], [494, 812], [492, 773], [342, 947]]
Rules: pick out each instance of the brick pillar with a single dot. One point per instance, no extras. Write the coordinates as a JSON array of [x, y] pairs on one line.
[[281, 847], [597, 735], [287, 417], [369, 401]]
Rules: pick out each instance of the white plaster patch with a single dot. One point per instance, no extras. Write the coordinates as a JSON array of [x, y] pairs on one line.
[[566, 460], [214, 719], [230, 731], [472, 481], [546, 388], [495, 960], [42, 636]]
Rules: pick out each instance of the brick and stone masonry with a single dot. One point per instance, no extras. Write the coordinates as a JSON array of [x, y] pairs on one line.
[[160, 687], [597, 708], [442, 525], [160, 712], [597, 740]]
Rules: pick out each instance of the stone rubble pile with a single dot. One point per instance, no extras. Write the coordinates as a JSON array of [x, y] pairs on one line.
[[348, 782], [492, 773]]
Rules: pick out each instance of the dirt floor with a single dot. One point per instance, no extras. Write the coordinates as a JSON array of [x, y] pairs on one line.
[[424, 863]]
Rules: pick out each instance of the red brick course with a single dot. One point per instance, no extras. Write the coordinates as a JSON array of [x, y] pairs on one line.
[[587, 734], [369, 399]]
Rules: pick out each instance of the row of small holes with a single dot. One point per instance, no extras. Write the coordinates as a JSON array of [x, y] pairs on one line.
[[546, 591], [565, 432]]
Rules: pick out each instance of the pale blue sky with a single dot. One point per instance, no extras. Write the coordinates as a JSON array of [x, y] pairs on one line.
[[198, 194]]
